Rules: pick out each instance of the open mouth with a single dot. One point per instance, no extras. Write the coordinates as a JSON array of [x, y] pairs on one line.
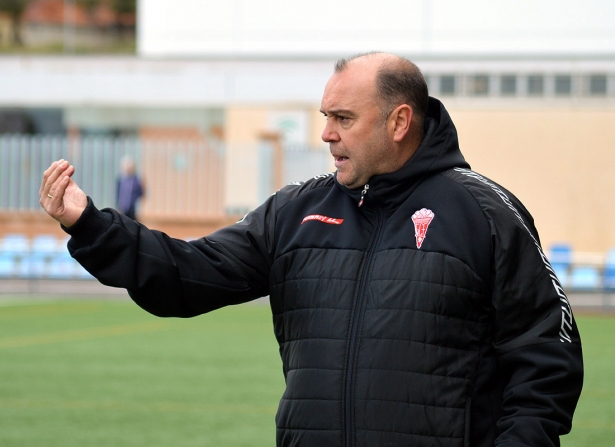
[[339, 161]]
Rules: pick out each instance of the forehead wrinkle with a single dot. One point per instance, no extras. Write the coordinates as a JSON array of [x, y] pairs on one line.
[[342, 101], [350, 92]]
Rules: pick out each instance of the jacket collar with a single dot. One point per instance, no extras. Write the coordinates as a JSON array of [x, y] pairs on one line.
[[438, 152]]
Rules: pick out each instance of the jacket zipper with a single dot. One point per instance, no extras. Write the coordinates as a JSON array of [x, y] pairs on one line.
[[355, 326], [365, 189]]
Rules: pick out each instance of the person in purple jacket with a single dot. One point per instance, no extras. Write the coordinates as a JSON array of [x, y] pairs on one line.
[[129, 188]]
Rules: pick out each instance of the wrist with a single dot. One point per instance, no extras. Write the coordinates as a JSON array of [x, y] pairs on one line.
[[90, 224]]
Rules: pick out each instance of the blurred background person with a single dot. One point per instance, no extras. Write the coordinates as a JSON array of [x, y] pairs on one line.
[[129, 188]]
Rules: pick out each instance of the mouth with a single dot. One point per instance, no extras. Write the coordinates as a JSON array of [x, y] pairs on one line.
[[339, 160]]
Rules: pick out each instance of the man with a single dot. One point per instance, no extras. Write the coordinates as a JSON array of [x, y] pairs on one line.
[[411, 299], [129, 188]]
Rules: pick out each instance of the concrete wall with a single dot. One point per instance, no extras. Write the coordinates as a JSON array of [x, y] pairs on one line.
[[559, 162], [296, 28]]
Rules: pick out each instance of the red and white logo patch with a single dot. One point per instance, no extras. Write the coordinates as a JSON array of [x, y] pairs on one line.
[[422, 218], [321, 218]]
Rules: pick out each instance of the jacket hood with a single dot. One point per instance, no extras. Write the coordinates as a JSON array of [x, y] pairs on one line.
[[439, 151]]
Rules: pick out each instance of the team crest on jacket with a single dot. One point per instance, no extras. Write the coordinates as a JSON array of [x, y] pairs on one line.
[[422, 218], [321, 218]]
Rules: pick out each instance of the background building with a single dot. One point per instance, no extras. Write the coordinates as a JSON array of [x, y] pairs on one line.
[[530, 86]]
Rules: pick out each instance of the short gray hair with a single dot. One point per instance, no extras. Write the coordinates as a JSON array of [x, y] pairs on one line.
[[399, 82]]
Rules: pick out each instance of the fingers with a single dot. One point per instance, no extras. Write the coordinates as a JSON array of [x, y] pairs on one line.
[[52, 178], [60, 196], [56, 194], [46, 174], [49, 176]]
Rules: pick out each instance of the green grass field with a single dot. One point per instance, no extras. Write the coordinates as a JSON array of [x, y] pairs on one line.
[[105, 373]]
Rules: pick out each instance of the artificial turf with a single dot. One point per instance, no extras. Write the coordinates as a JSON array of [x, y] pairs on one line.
[[106, 373], [594, 420]]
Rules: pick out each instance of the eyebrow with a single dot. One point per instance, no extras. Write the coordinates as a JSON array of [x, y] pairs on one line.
[[338, 112]]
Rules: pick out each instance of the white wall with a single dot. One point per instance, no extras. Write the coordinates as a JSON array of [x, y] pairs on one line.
[[112, 81], [88, 81], [300, 28]]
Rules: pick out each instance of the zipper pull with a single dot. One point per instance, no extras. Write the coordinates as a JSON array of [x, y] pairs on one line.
[[365, 189]]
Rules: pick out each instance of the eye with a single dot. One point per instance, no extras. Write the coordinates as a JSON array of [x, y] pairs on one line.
[[341, 119], [344, 121]]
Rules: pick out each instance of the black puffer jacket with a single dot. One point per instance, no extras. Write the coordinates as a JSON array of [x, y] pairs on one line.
[[429, 316]]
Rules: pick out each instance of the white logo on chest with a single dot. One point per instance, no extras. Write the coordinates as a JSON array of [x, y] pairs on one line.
[[422, 218]]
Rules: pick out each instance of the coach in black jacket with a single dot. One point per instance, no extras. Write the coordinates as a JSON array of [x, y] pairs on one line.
[[411, 298]]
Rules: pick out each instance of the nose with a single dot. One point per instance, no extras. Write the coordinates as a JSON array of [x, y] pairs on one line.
[[329, 135]]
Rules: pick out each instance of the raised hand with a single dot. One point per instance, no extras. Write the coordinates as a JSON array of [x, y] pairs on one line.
[[60, 196]]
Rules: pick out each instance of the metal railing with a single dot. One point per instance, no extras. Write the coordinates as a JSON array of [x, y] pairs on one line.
[[185, 179], [24, 158]]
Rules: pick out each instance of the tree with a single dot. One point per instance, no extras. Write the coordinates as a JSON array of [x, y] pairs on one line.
[[15, 9], [124, 6], [88, 5], [124, 9]]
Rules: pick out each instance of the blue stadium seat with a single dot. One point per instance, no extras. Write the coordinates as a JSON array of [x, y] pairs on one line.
[[560, 257], [46, 243], [560, 254], [8, 265], [62, 266], [15, 243], [608, 277], [585, 278], [33, 265], [562, 274]]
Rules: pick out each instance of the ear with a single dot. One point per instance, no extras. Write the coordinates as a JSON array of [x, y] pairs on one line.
[[400, 119]]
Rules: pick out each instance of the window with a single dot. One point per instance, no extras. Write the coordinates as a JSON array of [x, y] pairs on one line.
[[597, 85], [508, 85], [447, 85], [32, 121], [479, 85], [535, 85], [563, 85]]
